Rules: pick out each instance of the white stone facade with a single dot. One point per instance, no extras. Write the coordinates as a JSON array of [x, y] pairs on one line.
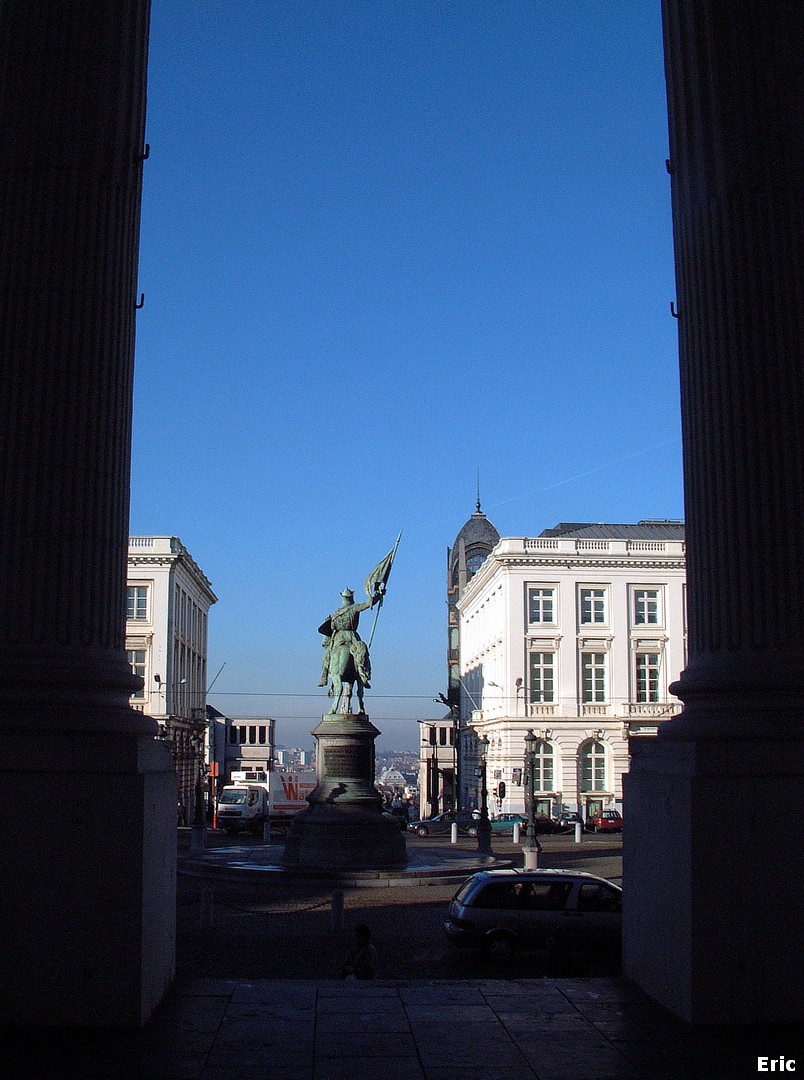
[[168, 601], [577, 634], [167, 605]]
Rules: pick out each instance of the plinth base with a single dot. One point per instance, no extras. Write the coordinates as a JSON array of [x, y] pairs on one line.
[[342, 838], [712, 925], [345, 827]]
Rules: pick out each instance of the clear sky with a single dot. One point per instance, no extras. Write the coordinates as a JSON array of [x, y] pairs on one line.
[[386, 244]]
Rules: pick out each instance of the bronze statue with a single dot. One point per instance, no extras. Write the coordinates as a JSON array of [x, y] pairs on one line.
[[347, 663]]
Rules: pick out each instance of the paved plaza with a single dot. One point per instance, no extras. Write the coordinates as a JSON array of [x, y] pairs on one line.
[[572, 1029], [235, 1025]]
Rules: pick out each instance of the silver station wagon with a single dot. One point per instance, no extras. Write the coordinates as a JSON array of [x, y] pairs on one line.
[[503, 910]]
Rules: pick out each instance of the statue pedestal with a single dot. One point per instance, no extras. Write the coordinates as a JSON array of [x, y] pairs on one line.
[[345, 827]]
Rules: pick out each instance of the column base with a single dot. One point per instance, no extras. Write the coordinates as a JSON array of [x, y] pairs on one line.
[[713, 864], [88, 852]]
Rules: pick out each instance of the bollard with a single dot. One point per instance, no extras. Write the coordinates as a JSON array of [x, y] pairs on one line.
[[198, 839], [266, 831], [578, 832], [337, 911], [531, 858], [207, 916], [453, 833], [517, 828]]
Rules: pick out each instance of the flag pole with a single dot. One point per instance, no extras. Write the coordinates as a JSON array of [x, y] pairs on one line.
[[377, 612]]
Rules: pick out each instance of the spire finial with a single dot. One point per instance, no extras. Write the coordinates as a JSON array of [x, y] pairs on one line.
[[478, 491]]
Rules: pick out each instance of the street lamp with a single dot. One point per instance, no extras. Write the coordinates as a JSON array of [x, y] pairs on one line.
[[484, 825], [531, 847], [198, 831]]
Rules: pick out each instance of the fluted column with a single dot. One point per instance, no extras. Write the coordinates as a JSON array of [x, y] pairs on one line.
[[73, 116], [87, 794], [736, 142], [714, 805]]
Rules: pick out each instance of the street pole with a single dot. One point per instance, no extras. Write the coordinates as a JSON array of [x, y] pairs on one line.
[[531, 847], [484, 825]]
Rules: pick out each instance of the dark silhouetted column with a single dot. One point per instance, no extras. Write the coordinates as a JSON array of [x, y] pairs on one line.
[[714, 807], [88, 799]]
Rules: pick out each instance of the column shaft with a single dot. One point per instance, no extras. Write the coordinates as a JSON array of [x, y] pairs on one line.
[[71, 143], [736, 125]]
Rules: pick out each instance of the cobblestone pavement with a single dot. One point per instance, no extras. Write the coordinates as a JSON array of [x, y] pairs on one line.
[[285, 928], [255, 1000]]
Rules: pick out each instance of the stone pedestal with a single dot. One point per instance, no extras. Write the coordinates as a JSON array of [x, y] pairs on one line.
[[89, 862], [712, 865], [345, 827]]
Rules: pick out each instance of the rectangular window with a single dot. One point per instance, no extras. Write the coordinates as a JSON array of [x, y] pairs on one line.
[[593, 606], [647, 677], [542, 677], [136, 657], [137, 602], [593, 678], [541, 608], [646, 607]]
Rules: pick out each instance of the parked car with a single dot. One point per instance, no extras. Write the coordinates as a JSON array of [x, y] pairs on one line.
[[503, 824], [566, 822], [547, 825], [503, 910], [442, 823], [606, 821]]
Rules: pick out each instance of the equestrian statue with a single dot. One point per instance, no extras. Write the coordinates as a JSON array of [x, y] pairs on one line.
[[347, 665]]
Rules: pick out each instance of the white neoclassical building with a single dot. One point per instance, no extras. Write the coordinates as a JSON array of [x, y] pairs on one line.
[[576, 634], [167, 604]]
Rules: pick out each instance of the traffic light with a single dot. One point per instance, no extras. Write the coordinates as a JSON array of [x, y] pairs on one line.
[[501, 790]]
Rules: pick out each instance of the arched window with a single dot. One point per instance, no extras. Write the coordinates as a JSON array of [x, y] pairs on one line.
[[543, 771], [473, 564], [593, 766]]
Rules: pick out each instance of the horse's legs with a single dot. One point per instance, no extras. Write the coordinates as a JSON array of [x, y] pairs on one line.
[[347, 703], [359, 685], [337, 691]]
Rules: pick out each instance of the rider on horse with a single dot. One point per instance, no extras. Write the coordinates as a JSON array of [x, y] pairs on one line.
[[341, 629]]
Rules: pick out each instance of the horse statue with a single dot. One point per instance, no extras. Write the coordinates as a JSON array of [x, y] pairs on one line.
[[346, 658], [344, 678]]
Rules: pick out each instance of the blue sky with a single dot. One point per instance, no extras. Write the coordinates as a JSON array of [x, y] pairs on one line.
[[386, 244]]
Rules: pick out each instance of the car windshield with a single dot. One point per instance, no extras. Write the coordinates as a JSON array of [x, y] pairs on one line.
[[464, 890], [233, 796]]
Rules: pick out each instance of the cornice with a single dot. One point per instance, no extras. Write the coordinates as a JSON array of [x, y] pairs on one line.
[[618, 563]]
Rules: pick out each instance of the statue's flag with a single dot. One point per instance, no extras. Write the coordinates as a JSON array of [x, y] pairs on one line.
[[378, 578]]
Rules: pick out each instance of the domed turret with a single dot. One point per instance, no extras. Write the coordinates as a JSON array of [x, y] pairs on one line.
[[472, 545]]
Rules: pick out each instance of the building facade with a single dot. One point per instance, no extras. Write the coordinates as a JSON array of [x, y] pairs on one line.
[[438, 765], [167, 605], [441, 783], [576, 634]]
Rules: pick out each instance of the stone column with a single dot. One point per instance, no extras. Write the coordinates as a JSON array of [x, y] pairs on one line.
[[713, 924], [88, 795]]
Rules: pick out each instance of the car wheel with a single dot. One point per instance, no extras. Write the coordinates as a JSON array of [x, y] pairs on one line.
[[472, 830], [422, 830], [500, 947]]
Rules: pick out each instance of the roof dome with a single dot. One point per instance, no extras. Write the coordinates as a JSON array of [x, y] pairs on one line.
[[478, 532]]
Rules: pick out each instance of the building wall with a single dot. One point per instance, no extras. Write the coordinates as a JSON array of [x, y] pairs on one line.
[[565, 635], [168, 601], [438, 760]]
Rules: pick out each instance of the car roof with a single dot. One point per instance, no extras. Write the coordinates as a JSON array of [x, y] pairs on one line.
[[535, 875]]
